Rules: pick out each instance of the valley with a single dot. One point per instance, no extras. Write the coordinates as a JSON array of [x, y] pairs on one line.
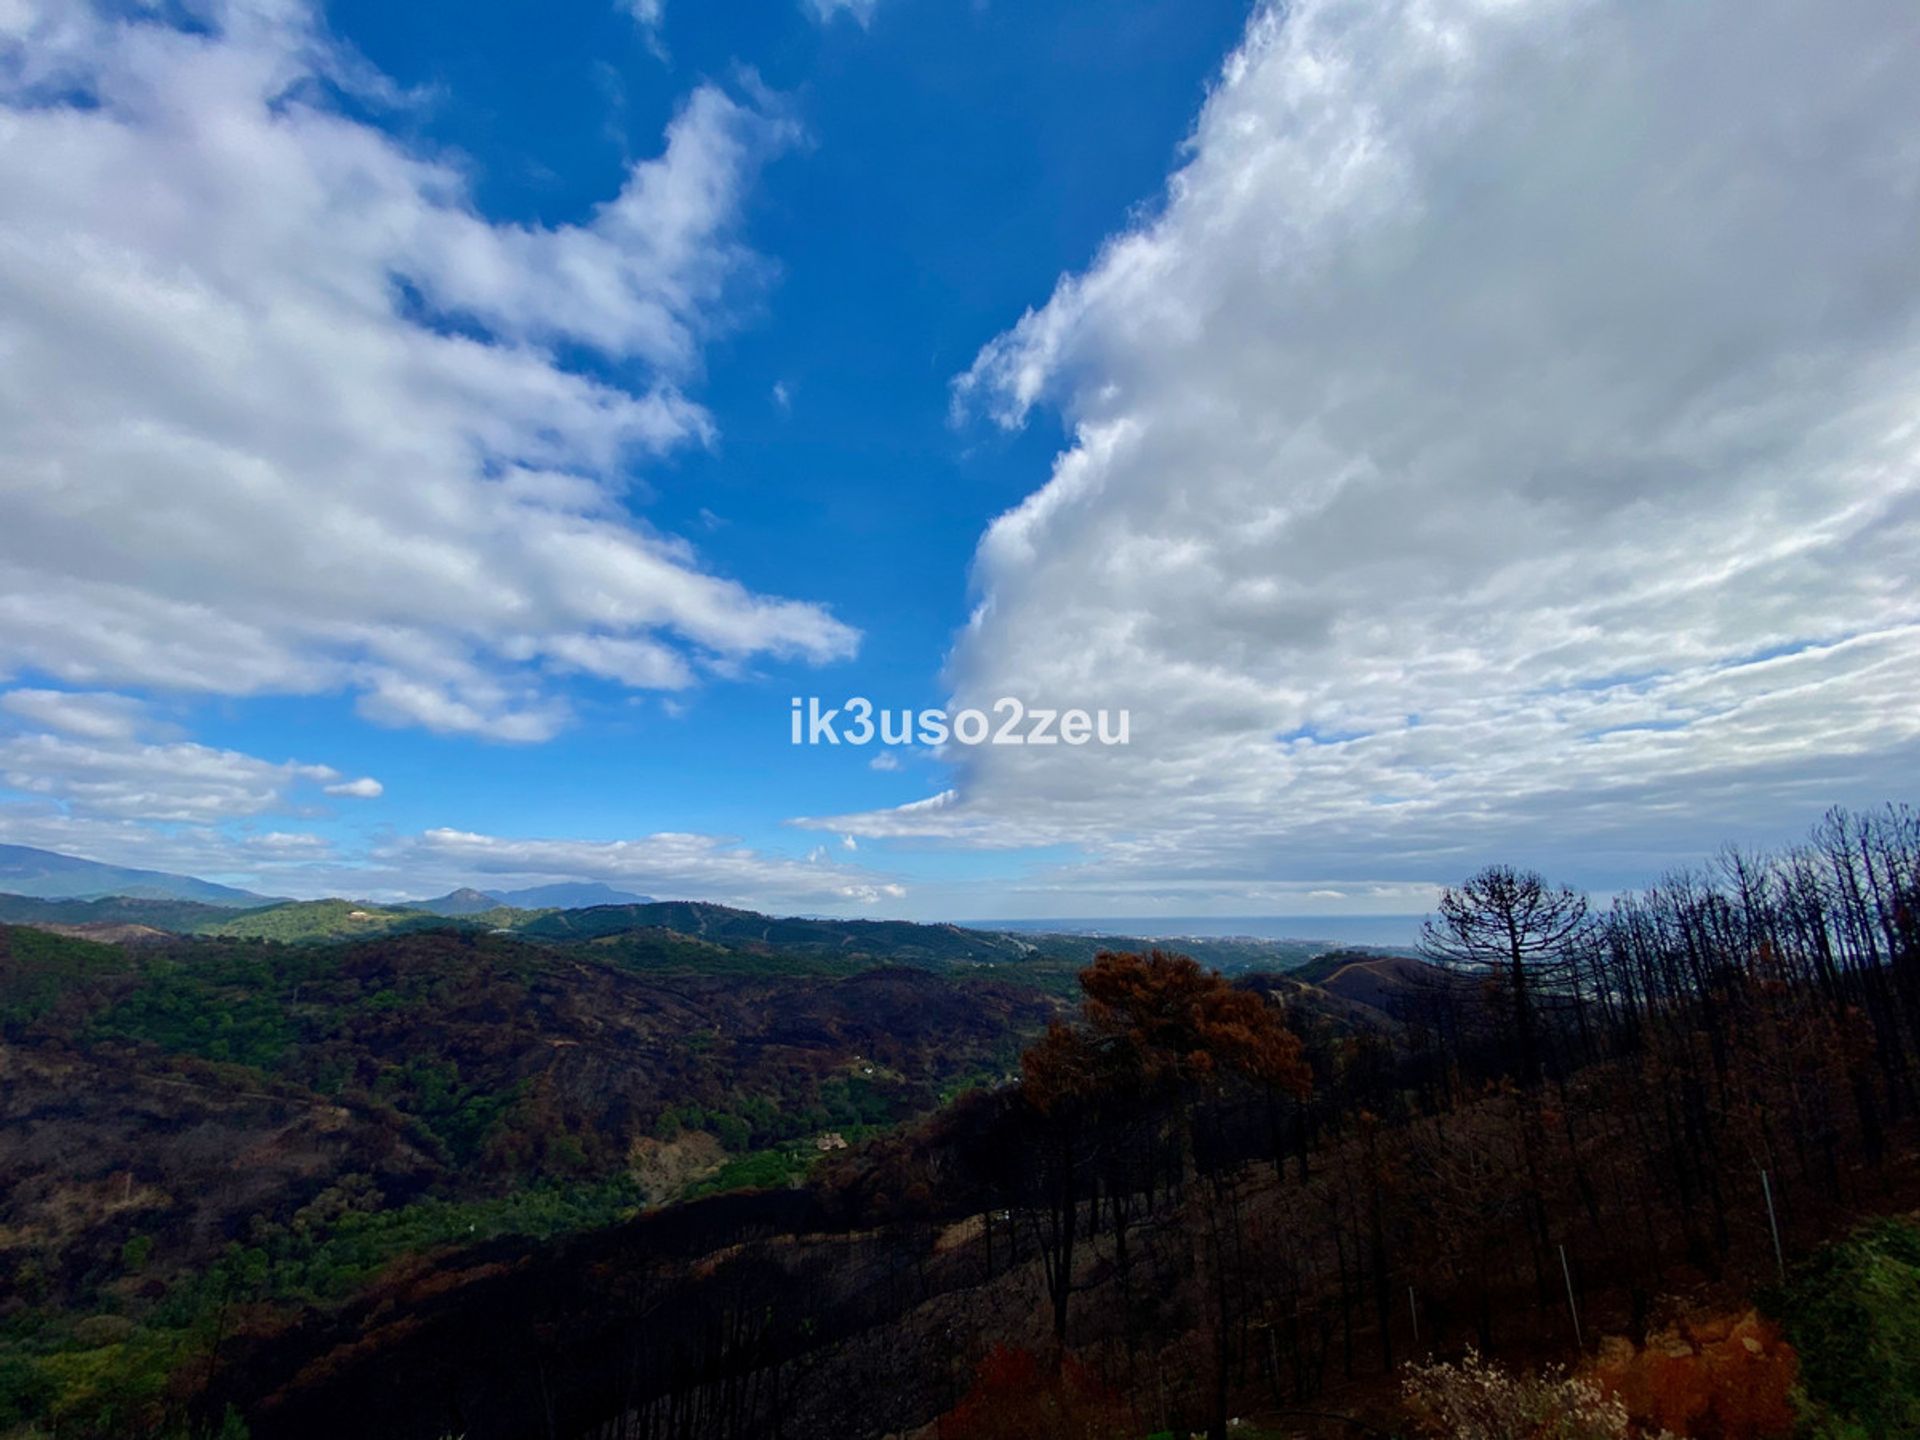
[[686, 1172]]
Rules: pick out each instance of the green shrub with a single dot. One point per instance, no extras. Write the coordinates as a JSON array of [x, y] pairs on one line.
[[1852, 1311], [770, 1169], [25, 1391]]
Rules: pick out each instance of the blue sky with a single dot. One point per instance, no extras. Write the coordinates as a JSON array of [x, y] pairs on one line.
[[907, 227], [445, 437]]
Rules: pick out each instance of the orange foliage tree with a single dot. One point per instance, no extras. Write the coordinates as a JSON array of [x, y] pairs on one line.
[[1160, 1031]]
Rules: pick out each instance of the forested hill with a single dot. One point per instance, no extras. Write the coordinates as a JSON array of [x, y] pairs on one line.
[[898, 940], [735, 1180], [660, 923], [329, 1108], [181, 917], [1632, 1142], [348, 1104]]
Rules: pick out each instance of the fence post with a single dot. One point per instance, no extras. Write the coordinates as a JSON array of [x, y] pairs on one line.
[[1573, 1307], [1773, 1224]]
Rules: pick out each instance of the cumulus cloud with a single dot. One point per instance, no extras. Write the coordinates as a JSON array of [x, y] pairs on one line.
[[287, 414], [211, 852], [202, 810], [96, 760], [704, 867], [1499, 440], [89, 715]]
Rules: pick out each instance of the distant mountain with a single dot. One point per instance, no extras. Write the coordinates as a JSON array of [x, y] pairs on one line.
[[568, 895], [578, 912], [47, 875], [464, 901]]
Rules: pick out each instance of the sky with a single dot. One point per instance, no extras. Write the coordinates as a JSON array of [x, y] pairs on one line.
[[439, 443]]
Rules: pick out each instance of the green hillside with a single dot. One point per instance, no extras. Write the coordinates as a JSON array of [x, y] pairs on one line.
[[308, 920], [179, 916]]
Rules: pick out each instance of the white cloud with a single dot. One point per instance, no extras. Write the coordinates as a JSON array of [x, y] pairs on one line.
[[1501, 439], [193, 810], [210, 852], [825, 10], [97, 760], [886, 760], [294, 843], [871, 894], [87, 774], [651, 17], [88, 715], [704, 867], [286, 414]]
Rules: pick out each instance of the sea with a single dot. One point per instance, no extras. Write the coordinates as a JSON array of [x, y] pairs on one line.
[[1396, 931]]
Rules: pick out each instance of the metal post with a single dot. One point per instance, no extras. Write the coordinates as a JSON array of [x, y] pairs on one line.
[[1572, 1307], [1414, 1311], [1773, 1224]]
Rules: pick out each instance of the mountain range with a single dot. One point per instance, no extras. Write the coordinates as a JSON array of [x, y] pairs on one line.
[[566, 895], [83, 898], [48, 875]]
